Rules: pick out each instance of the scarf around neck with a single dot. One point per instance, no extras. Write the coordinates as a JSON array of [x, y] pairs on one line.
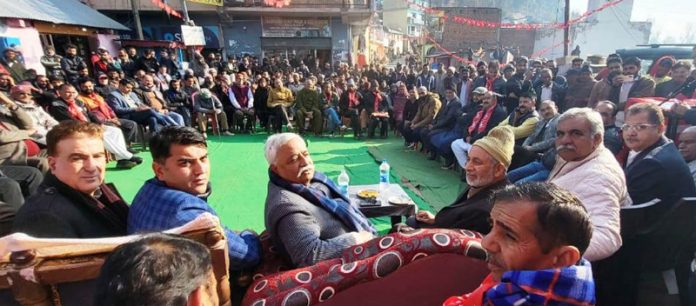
[[75, 111], [572, 285], [337, 203], [481, 120]]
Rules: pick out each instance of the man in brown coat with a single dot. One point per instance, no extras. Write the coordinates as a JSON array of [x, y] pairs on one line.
[[602, 89], [428, 107], [16, 146]]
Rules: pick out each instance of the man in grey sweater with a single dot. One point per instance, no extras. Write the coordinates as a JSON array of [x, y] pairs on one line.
[[309, 220]]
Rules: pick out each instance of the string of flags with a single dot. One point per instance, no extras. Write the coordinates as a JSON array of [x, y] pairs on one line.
[[519, 26], [276, 3]]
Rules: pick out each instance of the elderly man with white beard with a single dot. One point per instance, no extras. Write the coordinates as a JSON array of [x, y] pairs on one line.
[[307, 216], [486, 168], [588, 169]]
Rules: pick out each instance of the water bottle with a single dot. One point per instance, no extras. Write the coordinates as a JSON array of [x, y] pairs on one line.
[[383, 180], [343, 181]]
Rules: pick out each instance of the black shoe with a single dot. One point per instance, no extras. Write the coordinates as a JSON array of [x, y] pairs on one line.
[[136, 159], [132, 151], [125, 164], [432, 156]]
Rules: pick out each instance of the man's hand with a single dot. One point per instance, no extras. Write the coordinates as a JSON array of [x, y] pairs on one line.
[[680, 108], [310, 115], [164, 111], [115, 121], [425, 217], [468, 139], [362, 237], [217, 111], [142, 107]]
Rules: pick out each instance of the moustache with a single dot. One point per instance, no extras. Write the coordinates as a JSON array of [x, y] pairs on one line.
[[565, 147], [303, 169]]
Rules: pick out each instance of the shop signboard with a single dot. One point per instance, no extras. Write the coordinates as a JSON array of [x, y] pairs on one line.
[[192, 36], [295, 27]]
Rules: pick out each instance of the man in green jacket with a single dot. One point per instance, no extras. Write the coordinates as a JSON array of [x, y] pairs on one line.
[[308, 105]]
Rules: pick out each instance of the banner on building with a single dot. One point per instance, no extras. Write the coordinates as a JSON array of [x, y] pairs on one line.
[[208, 2], [295, 27], [192, 36]]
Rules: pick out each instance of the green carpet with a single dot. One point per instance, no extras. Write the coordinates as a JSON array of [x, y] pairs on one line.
[[239, 174]]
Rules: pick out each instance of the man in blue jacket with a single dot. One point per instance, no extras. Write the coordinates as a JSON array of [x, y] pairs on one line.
[[179, 191], [127, 105]]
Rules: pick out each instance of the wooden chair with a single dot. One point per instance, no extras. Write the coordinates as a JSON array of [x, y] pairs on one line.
[[53, 272]]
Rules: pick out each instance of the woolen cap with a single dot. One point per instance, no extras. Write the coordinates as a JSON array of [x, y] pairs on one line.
[[499, 143]]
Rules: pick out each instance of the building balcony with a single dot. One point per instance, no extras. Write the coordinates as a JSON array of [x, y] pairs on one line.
[[349, 10]]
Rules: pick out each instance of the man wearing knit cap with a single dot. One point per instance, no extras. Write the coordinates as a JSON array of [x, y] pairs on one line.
[[486, 171]]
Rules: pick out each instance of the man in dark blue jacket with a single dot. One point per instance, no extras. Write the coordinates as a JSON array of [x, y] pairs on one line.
[[445, 120], [654, 169]]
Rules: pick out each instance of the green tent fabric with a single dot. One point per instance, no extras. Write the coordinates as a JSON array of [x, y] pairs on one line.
[[239, 174]]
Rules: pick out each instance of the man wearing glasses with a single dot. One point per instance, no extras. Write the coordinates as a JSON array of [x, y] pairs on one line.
[[588, 169], [654, 169]]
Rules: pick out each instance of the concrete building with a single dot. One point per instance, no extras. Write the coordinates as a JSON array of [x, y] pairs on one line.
[[330, 30], [406, 18]]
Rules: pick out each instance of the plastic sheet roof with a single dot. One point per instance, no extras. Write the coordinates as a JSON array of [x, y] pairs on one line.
[[58, 11]]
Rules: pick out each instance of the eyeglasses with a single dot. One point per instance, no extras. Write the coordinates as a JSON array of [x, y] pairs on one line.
[[637, 127]]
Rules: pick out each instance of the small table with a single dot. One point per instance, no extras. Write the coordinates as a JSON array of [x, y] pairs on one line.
[[386, 209]]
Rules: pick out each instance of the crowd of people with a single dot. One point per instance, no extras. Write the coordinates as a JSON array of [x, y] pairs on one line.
[[573, 147]]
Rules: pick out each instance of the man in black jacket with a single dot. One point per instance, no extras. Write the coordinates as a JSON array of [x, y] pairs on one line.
[[148, 62], [516, 85], [445, 120], [73, 201], [72, 64]]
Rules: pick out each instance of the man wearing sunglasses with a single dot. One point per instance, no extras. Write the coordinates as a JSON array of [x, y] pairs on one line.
[[654, 169]]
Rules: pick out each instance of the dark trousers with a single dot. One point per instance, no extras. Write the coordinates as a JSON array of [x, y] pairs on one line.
[[316, 122], [354, 115], [521, 157], [148, 117], [412, 135], [185, 113], [129, 129], [383, 124], [278, 118], [18, 182], [240, 115]]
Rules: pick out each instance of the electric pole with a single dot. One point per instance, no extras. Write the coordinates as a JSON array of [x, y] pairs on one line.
[[566, 28], [136, 17]]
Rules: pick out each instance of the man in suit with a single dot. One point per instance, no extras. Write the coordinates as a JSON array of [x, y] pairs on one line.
[[445, 120], [548, 90], [127, 105], [655, 169]]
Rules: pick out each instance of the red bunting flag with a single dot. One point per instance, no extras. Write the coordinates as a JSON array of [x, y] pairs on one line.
[[167, 9]]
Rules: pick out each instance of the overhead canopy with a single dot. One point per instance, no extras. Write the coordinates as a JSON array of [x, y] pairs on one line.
[[58, 11]]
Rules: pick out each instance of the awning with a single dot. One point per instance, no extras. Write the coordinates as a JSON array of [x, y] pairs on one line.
[[151, 43], [59, 12]]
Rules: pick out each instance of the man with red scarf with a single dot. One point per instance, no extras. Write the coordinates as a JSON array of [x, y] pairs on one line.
[[377, 107], [97, 107], [489, 116], [68, 107], [242, 99], [351, 106]]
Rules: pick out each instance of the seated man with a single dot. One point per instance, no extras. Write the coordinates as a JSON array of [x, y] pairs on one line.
[[153, 97], [523, 118], [68, 107], [43, 122], [307, 216], [127, 105], [16, 134], [206, 104], [179, 191], [242, 100], [655, 169], [540, 233], [157, 269], [687, 148], [428, 107], [445, 120], [73, 201], [101, 112], [488, 161], [308, 105], [489, 116], [585, 167], [542, 138]]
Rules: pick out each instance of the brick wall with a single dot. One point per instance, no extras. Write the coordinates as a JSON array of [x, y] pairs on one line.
[[518, 38], [457, 36]]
